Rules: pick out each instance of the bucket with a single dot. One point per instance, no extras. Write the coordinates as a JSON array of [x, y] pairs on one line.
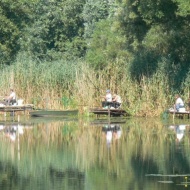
[[20, 102]]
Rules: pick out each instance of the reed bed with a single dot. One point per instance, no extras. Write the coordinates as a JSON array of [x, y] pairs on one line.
[[45, 84], [150, 97], [68, 85]]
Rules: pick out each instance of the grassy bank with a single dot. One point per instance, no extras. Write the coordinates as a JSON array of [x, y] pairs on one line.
[[67, 85]]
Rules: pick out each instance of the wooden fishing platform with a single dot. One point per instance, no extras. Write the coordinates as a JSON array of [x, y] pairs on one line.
[[180, 114], [16, 108], [109, 112]]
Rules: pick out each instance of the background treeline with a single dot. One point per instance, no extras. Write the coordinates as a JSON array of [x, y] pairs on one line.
[[72, 50]]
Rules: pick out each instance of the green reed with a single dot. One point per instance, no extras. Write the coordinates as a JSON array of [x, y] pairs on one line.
[[149, 97], [64, 85], [44, 84]]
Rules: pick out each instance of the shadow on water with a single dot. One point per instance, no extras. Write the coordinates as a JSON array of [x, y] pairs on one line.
[[67, 153]]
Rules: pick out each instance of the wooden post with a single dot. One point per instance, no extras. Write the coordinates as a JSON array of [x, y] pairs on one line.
[[109, 113], [18, 145], [173, 115], [12, 113]]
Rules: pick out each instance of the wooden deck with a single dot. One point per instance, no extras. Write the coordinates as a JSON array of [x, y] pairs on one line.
[[180, 114], [109, 112], [25, 107]]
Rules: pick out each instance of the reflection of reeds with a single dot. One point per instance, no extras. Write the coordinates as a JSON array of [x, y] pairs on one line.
[[51, 133], [45, 145], [61, 144], [149, 141]]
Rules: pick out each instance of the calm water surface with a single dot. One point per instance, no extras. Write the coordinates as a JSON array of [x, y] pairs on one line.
[[131, 154]]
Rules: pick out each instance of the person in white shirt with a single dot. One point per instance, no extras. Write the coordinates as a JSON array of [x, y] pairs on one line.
[[11, 99], [178, 102], [107, 99]]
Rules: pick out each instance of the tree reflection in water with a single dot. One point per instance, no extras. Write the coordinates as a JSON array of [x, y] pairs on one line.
[[68, 155]]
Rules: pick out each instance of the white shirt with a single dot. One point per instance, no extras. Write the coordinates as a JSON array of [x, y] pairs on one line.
[[108, 97], [13, 95], [179, 101]]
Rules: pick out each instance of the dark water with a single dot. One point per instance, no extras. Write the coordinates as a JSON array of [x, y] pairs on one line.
[[131, 154]]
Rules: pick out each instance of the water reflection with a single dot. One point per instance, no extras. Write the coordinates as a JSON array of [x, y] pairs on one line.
[[179, 131], [11, 130], [138, 154], [111, 131]]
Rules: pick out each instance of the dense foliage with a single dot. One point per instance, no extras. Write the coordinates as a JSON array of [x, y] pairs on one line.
[[143, 32], [44, 26]]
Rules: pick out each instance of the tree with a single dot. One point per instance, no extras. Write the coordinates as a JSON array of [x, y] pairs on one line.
[[183, 7], [13, 18], [93, 12], [155, 31], [57, 30]]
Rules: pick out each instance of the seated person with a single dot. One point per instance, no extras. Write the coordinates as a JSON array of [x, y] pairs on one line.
[[11, 99], [178, 103], [107, 99], [116, 101]]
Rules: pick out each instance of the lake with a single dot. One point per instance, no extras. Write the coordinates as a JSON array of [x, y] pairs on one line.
[[90, 154]]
